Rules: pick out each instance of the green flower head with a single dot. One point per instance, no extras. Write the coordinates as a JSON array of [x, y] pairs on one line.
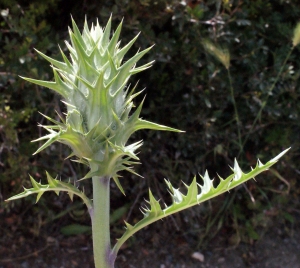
[[93, 82]]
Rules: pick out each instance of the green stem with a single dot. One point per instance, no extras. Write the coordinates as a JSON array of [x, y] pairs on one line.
[[237, 118], [100, 222]]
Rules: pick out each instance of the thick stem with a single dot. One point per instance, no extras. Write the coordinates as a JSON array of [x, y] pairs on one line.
[[100, 223]]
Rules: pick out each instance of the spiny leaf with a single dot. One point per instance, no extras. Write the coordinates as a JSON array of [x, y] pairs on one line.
[[77, 32], [105, 37], [141, 68], [52, 85], [143, 124], [126, 67], [53, 185], [121, 53], [155, 208], [181, 201], [114, 40], [117, 182], [51, 139]]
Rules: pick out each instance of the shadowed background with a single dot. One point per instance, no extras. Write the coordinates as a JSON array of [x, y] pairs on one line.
[[187, 88]]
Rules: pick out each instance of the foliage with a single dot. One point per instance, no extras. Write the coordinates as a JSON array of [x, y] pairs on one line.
[[153, 212], [93, 82], [20, 30], [258, 36]]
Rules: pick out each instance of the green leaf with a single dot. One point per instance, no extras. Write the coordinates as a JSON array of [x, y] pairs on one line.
[[118, 213], [143, 124], [53, 185], [251, 232], [75, 229], [193, 197], [117, 182]]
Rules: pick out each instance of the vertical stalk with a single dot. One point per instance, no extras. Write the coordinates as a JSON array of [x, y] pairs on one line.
[[100, 222], [237, 118]]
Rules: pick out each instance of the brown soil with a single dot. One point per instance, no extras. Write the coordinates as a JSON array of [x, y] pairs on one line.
[[277, 248]]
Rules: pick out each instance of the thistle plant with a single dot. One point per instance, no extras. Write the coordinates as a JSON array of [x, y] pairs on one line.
[[99, 120]]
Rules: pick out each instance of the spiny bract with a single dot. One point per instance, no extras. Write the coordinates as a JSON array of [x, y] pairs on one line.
[[93, 83]]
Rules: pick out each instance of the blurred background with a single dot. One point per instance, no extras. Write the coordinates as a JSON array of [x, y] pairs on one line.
[[225, 71]]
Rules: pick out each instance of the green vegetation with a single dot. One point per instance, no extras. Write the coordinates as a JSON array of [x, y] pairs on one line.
[[248, 108]]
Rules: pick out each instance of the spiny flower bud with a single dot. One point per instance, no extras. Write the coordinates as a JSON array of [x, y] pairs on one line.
[[92, 82]]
